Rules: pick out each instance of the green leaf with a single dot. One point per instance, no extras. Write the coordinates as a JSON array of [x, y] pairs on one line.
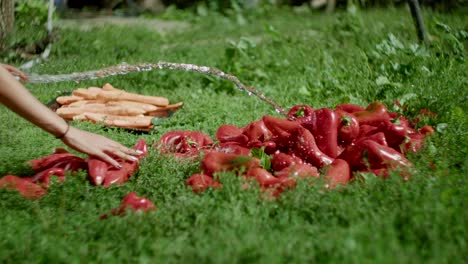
[[265, 159]]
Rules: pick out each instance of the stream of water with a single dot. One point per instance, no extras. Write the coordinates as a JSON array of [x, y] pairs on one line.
[[124, 68]]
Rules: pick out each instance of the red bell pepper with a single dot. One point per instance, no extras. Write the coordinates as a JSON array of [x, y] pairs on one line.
[[200, 182], [337, 173], [349, 108], [301, 114], [264, 178], [230, 133], [325, 124], [281, 128], [380, 156], [368, 154], [348, 129], [301, 170], [257, 132], [281, 160], [304, 147], [214, 162], [26, 188], [395, 133], [377, 137], [374, 114], [367, 130], [233, 148]]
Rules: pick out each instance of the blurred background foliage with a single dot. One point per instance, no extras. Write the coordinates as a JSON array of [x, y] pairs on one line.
[[30, 36]]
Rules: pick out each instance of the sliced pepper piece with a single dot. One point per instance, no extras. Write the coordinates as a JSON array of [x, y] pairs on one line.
[[26, 188], [200, 182]]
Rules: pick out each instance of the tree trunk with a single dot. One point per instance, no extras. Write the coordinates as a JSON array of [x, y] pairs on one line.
[[7, 19]]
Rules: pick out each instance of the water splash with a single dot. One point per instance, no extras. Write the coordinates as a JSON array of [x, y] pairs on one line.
[[124, 68]]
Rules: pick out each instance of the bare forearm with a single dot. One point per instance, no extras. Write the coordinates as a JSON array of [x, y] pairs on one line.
[[20, 100]]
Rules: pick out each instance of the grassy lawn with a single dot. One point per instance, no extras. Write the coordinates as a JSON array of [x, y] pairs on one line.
[[295, 58]]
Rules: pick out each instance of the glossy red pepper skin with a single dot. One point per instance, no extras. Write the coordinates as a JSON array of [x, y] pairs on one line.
[[134, 203], [172, 142], [264, 178], [378, 137], [301, 170], [232, 148], [97, 170], [281, 128], [374, 114], [230, 133], [46, 162], [119, 176], [26, 188], [141, 146], [395, 133], [44, 176], [281, 160], [301, 114], [304, 147], [337, 173], [66, 161], [214, 162], [380, 156], [200, 182], [325, 124], [348, 129], [367, 130], [368, 154], [257, 132], [349, 108]]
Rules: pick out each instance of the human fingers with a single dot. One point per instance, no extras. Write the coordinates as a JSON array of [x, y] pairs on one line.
[[108, 159], [123, 154], [16, 72], [23, 77]]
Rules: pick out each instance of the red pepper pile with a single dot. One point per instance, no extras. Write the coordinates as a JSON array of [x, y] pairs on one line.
[[337, 142], [61, 161]]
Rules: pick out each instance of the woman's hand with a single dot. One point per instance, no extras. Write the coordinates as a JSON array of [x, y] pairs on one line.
[[15, 72], [98, 146]]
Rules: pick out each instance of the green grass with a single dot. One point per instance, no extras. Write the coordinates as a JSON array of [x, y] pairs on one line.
[[294, 58]]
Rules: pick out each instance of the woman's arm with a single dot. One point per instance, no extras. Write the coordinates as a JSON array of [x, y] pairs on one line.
[[17, 98]]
